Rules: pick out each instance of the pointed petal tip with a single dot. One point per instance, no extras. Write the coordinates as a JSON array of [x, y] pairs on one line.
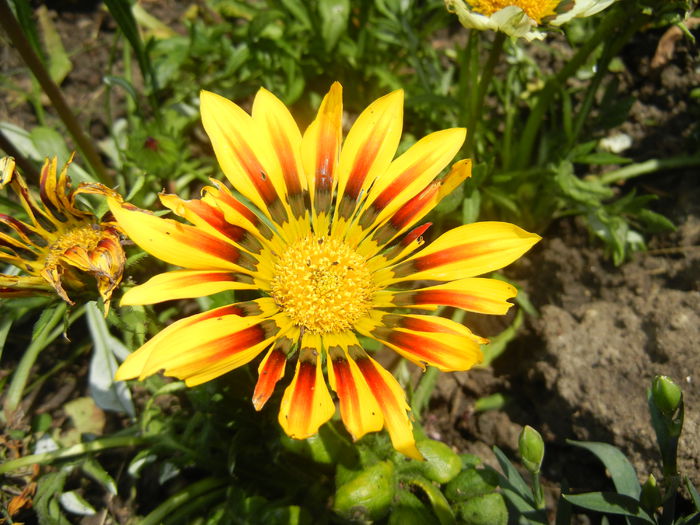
[[410, 450], [125, 372], [259, 402]]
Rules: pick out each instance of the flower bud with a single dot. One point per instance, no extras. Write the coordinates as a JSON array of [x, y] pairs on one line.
[[531, 448], [441, 462], [650, 497], [367, 496], [470, 483], [666, 395], [487, 509]]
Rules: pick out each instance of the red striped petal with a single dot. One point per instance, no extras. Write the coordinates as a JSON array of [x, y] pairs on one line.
[[487, 296], [176, 243], [271, 370], [306, 403], [321, 149], [359, 409], [392, 401], [186, 284]]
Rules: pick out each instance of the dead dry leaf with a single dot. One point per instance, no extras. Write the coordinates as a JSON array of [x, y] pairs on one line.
[[667, 43]]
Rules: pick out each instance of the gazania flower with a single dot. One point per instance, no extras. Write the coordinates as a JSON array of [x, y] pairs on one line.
[[520, 18], [328, 237], [61, 248]]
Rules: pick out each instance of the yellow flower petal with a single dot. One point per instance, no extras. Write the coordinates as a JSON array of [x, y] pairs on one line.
[[184, 342], [465, 251], [281, 131], [306, 403], [243, 154], [358, 407], [368, 149], [185, 284], [320, 152], [175, 243], [410, 173], [475, 294], [392, 401]]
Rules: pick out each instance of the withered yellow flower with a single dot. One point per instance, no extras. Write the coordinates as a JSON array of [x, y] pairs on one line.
[[58, 248], [329, 240]]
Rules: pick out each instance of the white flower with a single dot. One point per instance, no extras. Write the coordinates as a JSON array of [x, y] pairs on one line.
[[520, 18]]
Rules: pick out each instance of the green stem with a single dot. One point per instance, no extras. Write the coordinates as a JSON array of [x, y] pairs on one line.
[[649, 166], [537, 491], [467, 75], [193, 491], [610, 50], [608, 26], [424, 390], [40, 341], [484, 82], [75, 450], [14, 32]]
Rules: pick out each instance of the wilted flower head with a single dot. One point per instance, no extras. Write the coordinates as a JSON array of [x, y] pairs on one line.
[[328, 242], [520, 18], [59, 249]]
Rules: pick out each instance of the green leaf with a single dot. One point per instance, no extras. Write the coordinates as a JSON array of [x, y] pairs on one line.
[[437, 500], [123, 15], [621, 470], [46, 316], [654, 222], [524, 507], [49, 488], [693, 493], [498, 344], [493, 402], [74, 503], [5, 325], [601, 157], [585, 191], [107, 393], [408, 509], [298, 9], [511, 479], [20, 139], [693, 519], [334, 21], [24, 14], [50, 143], [59, 65], [610, 503], [471, 205], [112, 81]]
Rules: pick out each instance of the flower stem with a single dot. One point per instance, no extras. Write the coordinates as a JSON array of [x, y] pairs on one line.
[[424, 390], [9, 23], [649, 166], [608, 26], [537, 491], [75, 450], [189, 493], [484, 82], [40, 341], [610, 49]]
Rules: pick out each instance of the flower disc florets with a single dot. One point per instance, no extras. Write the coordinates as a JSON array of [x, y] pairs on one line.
[[322, 284], [535, 9]]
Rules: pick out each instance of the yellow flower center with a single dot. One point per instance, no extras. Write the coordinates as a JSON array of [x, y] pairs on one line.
[[535, 9], [322, 284], [86, 236]]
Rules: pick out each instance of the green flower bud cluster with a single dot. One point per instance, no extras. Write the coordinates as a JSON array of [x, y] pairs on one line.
[[444, 488]]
